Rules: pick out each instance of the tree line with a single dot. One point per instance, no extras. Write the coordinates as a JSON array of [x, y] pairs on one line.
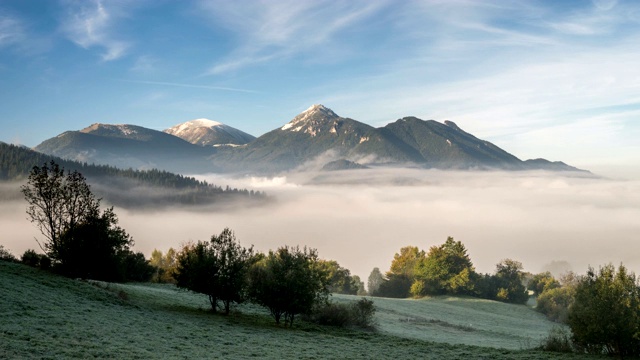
[[17, 162], [447, 270]]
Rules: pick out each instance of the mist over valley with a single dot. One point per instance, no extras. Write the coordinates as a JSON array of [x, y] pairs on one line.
[[361, 218]]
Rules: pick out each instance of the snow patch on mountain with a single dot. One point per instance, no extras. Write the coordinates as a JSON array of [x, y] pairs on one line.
[[207, 132], [315, 111]]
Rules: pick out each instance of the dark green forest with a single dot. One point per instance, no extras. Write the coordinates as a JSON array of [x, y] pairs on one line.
[[173, 189]]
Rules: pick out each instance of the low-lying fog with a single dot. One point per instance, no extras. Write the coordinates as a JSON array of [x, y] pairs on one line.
[[361, 218]]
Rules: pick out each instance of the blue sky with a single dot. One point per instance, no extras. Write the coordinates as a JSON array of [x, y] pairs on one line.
[[553, 79]]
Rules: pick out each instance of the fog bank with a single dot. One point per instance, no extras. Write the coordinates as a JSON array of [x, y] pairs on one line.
[[361, 218]]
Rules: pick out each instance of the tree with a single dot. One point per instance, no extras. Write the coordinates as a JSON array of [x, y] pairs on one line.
[[57, 203], [447, 269], [217, 269], [374, 281], [164, 265], [401, 275], [94, 248], [359, 285], [136, 267], [605, 316], [6, 255], [508, 282], [395, 286], [79, 239], [288, 281], [404, 263], [542, 282], [339, 279]]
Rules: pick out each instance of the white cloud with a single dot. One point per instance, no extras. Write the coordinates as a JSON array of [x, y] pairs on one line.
[[507, 80], [11, 31], [90, 23], [274, 30]]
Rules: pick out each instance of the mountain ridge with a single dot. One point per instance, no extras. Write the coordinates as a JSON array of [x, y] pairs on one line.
[[316, 135]]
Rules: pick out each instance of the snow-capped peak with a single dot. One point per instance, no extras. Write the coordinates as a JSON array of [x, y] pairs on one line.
[[319, 109], [194, 124], [207, 132]]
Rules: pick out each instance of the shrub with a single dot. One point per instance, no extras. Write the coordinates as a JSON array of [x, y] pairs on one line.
[[332, 314], [555, 303], [33, 259], [558, 340], [357, 314], [6, 255], [363, 312]]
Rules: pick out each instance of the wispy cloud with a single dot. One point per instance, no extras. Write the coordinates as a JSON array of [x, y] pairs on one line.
[[89, 24], [207, 87], [274, 30], [526, 82], [11, 31]]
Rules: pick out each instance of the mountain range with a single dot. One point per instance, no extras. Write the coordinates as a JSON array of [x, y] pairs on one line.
[[315, 137]]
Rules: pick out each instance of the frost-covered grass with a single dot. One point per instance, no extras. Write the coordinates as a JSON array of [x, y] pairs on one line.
[[457, 320], [47, 316]]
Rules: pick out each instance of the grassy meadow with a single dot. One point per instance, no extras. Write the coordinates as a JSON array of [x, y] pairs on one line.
[[47, 316]]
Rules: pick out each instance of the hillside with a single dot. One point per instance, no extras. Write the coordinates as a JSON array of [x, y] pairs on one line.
[[126, 188], [43, 315]]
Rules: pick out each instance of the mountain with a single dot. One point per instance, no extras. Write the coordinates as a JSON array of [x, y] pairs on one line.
[[312, 133], [128, 146], [447, 146], [206, 132], [312, 139], [319, 136]]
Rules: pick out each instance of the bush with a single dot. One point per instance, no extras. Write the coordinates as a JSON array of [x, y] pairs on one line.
[[363, 312], [555, 303], [558, 340], [6, 255], [358, 314], [33, 259], [332, 314]]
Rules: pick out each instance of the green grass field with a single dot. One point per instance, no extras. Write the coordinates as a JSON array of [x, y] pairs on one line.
[[48, 316]]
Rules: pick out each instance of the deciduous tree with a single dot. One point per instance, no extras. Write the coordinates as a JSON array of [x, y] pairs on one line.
[[57, 203], [217, 269], [446, 269], [288, 282], [605, 316]]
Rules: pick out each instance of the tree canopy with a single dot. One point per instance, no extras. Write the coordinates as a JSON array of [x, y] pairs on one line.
[[447, 269], [605, 316], [288, 281], [216, 268]]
